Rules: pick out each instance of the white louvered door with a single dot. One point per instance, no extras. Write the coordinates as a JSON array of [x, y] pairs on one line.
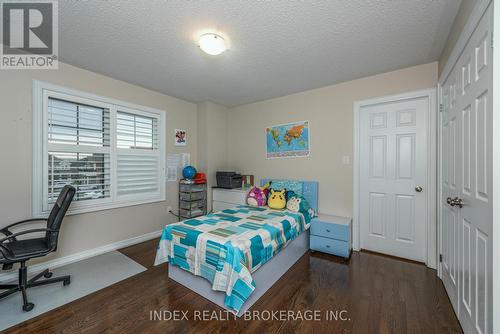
[[466, 215]]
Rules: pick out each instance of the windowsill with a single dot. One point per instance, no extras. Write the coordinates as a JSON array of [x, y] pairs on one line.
[[105, 206]]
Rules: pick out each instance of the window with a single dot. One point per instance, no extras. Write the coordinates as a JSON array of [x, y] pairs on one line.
[[137, 161], [135, 131], [110, 151], [74, 125]]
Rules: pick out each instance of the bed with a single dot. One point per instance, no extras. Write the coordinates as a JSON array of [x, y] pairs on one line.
[[232, 257]]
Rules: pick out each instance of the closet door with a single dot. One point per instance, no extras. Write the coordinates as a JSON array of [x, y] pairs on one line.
[[450, 183], [466, 183]]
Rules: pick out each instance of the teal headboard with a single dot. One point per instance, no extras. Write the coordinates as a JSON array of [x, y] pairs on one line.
[[310, 190]]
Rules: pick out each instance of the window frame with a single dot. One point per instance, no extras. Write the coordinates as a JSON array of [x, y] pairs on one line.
[[42, 91]]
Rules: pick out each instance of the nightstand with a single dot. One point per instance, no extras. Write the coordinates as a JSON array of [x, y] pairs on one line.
[[332, 235]]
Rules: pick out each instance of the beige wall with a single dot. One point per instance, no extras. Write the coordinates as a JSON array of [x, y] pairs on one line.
[[212, 142], [330, 112], [218, 138], [84, 231], [464, 12]]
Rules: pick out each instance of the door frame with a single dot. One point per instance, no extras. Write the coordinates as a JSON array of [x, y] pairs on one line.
[[431, 182]]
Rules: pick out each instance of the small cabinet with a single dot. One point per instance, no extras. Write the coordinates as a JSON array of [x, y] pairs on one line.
[[192, 200], [332, 235]]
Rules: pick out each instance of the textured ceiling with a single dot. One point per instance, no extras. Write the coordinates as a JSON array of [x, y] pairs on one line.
[[276, 47]]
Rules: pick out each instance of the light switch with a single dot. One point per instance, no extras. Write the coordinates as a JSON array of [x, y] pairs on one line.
[[346, 160]]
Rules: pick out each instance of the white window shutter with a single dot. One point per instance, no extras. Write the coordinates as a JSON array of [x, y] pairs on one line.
[[112, 152], [137, 174], [138, 159]]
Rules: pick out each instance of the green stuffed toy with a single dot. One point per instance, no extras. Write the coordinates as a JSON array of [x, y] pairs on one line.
[[298, 203]]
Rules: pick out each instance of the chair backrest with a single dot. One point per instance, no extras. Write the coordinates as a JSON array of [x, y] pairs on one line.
[[57, 214]]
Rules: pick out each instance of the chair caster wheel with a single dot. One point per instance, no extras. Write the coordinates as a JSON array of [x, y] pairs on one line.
[[28, 307], [48, 275], [66, 282]]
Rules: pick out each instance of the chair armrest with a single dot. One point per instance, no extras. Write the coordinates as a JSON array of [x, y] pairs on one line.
[[5, 230], [6, 253], [36, 230]]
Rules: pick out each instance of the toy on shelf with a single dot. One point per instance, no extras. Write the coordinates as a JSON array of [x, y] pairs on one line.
[[189, 172], [247, 180], [200, 178]]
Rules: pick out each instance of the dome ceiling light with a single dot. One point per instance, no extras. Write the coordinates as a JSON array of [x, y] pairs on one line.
[[212, 44]]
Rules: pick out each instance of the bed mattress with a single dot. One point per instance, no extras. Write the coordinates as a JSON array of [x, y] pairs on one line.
[[228, 246]]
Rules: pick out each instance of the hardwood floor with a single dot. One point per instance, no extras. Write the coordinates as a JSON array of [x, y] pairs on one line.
[[380, 295]]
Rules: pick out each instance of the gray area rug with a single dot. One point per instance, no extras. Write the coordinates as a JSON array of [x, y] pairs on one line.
[[87, 276]]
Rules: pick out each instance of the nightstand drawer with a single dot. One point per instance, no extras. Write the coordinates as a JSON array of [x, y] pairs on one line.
[[330, 230], [330, 246]]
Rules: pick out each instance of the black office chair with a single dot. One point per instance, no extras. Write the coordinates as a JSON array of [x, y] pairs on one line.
[[13, 250]]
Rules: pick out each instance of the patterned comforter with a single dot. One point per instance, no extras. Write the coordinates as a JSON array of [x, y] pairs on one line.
[[227, 246]]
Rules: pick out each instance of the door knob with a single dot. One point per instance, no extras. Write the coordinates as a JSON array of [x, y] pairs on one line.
[[455, 201], [458, 202], [418, 189]]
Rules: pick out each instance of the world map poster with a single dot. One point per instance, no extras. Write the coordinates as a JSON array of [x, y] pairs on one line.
[[288, 140]]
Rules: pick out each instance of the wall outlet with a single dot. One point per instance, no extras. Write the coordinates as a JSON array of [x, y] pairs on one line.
[[346, 160], [169, 208]]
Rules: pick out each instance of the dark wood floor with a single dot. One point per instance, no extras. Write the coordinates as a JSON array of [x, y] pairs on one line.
[[380, 294]]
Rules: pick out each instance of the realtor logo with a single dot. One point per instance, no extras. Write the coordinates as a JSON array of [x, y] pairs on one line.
[[29, 34]]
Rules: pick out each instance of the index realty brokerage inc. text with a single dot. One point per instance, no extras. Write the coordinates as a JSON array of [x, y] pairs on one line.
[[265, 315]]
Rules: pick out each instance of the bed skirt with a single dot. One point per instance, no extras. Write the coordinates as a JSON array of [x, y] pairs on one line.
[[264, 277]]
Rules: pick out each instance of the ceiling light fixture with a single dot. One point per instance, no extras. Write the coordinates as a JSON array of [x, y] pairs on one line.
[[212, 44]]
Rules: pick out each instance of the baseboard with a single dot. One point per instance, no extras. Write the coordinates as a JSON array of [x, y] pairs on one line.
[[62, 261]]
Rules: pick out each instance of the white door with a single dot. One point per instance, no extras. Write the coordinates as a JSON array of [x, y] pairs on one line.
[[393, 162], [466, 222], [449, 222]]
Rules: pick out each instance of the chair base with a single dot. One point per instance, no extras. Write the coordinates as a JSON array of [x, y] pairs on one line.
[[25, 284]]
